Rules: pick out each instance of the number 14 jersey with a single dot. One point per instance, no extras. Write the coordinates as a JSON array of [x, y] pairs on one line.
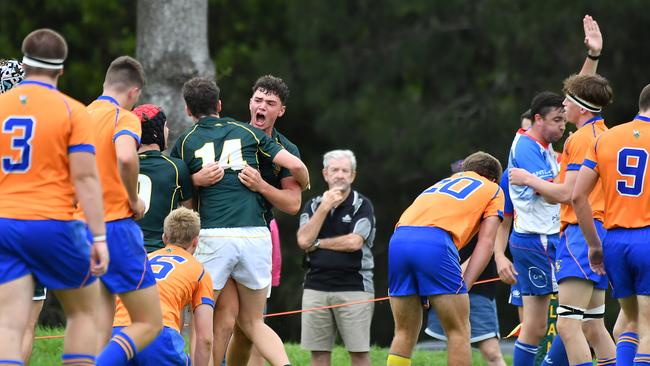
[[228, 203]]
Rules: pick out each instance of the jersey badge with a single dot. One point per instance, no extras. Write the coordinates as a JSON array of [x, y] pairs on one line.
[[346, 218]]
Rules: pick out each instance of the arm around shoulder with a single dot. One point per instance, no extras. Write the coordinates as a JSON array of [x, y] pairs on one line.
[[295, 165]]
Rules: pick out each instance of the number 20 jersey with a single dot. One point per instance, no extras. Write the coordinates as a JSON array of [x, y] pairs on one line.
[[620, 157], [228, 203], [40, 126], [457, 205]]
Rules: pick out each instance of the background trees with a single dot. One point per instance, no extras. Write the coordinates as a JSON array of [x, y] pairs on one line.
[[409, 86]]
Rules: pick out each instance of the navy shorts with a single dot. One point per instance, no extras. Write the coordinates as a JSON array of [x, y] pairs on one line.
[[627, 259], [166, 350], [572, 256], [533, 256], [129, 268], [423, 261], [482, 319], [55, 252]]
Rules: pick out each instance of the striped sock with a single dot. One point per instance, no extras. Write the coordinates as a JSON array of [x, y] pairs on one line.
[[395, 360], [606, 361], [76, 359], [642, 359], [626, 348], [524, 354], [11, 363], [119, 351]]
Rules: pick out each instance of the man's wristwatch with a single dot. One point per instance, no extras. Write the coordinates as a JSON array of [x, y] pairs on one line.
[[316, 244]]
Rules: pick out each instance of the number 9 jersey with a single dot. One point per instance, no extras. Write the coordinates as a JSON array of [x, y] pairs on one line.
[[457, 205], [620, 157], [40, 127]]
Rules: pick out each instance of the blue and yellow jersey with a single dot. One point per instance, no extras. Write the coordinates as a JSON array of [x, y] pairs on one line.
[[575, 150], [181, 280], [40, 127], [109, 121], [620, 157], [457, 205]]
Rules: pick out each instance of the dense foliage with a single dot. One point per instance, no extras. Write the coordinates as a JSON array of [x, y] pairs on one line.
[[408, 85]]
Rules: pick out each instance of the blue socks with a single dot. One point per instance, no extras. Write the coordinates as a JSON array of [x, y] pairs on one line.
[[524, 354], [626, 348], [11, 363], [119, 351], [556, 356], [641, 359], [76, 359]]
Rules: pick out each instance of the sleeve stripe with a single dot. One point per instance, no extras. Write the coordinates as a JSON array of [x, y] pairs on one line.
[[201, 276], [127, 132], [207, 301], [571, 167], [81, 148], [590, 163]]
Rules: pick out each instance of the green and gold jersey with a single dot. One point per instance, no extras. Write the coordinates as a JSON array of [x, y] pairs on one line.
[[273, 173], [228, 203], [162, 183]]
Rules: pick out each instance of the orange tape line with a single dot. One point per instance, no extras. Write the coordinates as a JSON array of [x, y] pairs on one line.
[[309, 310]]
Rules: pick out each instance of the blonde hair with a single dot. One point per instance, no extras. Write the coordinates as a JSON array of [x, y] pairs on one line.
[[181, 226]]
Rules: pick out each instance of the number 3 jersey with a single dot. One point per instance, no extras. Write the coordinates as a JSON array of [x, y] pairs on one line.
[[163, 182], [228, 203], [40, 127], [620, 157], [181, 280], [533, 215], [457, 205]]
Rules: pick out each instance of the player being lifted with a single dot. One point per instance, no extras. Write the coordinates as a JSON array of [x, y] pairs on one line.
[[181, 281], [46, 144], [235, 241], [117, 134]]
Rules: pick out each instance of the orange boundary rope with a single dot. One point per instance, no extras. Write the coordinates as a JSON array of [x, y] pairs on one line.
[[312, 309]]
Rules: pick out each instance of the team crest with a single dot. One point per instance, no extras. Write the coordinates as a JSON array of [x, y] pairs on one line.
[[636, 134], [558, 264]]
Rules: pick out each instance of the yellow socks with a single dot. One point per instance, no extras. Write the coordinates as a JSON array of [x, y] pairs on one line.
[[395, 360]]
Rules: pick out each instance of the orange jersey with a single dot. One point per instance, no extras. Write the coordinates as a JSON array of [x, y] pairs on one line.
[[575, 150], [620, 157], [109, 121], [457, 205], [40, 127], [181, 280]]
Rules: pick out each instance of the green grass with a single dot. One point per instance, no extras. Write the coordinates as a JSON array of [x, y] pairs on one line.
[[48, 352]]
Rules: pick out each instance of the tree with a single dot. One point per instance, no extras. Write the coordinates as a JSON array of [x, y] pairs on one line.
[[172, 45]]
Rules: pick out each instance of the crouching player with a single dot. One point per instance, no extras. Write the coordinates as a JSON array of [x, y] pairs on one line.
[[181, 280], [423, 255]]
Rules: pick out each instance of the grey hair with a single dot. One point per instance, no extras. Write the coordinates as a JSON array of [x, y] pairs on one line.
[[340, 154]]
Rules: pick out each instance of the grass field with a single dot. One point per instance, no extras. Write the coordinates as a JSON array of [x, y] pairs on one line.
[[48, 352]]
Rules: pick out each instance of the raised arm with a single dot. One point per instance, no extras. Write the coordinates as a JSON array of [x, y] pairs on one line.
[[594, 43]]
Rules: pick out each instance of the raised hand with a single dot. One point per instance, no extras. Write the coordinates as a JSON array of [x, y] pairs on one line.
[[593, 37]]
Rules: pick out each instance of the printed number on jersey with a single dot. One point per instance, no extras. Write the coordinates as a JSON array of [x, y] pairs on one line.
[[144, 190], [631, 164], [460, 187], [21, 130], [163, 265], [231, 156]]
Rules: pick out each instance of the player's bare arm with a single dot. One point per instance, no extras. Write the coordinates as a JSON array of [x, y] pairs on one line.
[[505, 268], [209, 174], [83, 173], [551, 192], [128, 164], [308, 233], [295, 165], [202, 321], [287, 199], [483, 251], [594, 43], [585, 183]]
